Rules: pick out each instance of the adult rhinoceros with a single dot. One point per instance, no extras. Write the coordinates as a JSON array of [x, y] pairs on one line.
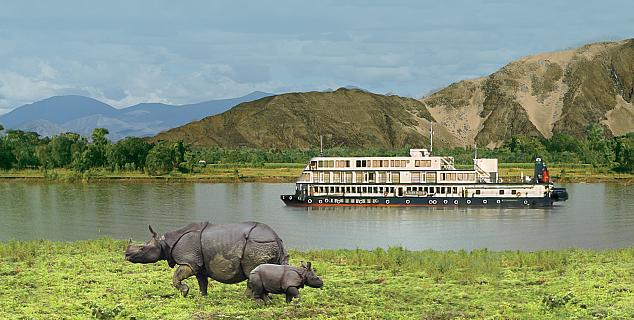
[[224, 252]]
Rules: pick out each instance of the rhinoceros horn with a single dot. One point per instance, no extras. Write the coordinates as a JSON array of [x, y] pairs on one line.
[[152, 231]]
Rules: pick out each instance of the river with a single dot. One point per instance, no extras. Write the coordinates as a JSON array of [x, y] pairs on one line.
[[596, 216]]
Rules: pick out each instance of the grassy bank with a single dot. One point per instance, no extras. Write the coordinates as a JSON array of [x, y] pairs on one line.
[[50, 280], [235, 173], [288, 172]]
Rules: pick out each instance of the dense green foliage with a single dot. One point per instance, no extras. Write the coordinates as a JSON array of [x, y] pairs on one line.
[[77, 280], [596, 149], [19, 150]]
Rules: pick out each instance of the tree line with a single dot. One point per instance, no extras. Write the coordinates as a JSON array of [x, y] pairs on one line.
[[21, 149]]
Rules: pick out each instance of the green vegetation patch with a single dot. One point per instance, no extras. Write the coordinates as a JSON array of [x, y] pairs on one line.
[[546, 83], [84, 279]]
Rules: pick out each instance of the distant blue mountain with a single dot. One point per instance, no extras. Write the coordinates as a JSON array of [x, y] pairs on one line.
[[82, 114], [58, 109]]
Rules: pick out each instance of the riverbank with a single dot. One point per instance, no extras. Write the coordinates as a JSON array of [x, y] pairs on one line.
[[288, 172], [50, 280]]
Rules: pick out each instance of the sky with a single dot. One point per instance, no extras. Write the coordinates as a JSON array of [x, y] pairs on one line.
[[178, 52]]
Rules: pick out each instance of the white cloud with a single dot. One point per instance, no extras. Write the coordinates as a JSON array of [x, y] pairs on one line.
[[124, 53], [15, 87]]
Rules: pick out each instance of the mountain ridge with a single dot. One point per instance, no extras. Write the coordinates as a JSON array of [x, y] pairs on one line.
[[81, 114], [344, 117], [543, 94]]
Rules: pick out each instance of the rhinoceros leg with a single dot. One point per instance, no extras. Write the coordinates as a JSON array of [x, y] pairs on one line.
[[291, 292], [262, 246], [203, 283], [182, 272], [256, 288]]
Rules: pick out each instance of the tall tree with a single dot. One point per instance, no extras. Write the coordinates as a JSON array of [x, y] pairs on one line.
[[130, 152], [160, 159], [95, 153], [5, 154], [598, 150], [22, 145], [624, 152], [99, 136], [61, 148]]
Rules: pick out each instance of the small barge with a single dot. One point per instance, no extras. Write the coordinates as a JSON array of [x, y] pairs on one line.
[[418, 180]]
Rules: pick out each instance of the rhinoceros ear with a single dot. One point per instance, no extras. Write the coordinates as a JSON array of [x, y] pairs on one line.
[[303, 264], [308, 265], [152, 231]]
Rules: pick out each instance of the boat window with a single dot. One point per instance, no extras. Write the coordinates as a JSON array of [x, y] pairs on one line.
[[455, 190], [358, 163], [442, 190], [513, 191], [371, 176], [396, 177], [431, 177], [422, 163], [477, 191], [437, 189], [501, 191], [365, 189]]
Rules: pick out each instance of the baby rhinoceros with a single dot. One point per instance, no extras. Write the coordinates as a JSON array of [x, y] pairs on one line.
[[273, 278]]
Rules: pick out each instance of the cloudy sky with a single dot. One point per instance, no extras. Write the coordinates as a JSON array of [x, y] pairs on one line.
[[125, 52]]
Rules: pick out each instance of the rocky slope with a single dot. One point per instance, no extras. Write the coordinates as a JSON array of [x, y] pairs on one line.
[[345, 117], [543, 94]]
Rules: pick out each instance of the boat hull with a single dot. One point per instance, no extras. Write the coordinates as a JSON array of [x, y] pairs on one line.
[[519, 202]]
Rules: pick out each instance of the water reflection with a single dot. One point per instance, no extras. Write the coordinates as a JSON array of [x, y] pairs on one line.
[[597, 216]]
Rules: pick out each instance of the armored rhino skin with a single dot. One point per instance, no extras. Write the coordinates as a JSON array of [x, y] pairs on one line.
[[226, 253], [271, 278]]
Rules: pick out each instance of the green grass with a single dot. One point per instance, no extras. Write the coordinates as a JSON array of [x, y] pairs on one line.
[[84, 279], [288, 172]]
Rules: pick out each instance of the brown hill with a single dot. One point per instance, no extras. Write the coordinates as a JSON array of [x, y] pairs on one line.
[[543, 94], [351, 118]]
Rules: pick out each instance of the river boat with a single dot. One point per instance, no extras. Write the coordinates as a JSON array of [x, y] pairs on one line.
[[418, 180]]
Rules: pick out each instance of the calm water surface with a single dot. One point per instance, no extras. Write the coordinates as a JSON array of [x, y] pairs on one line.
[[596, 216]]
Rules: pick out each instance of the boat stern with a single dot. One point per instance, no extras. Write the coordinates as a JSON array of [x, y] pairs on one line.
[[559, 194]]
